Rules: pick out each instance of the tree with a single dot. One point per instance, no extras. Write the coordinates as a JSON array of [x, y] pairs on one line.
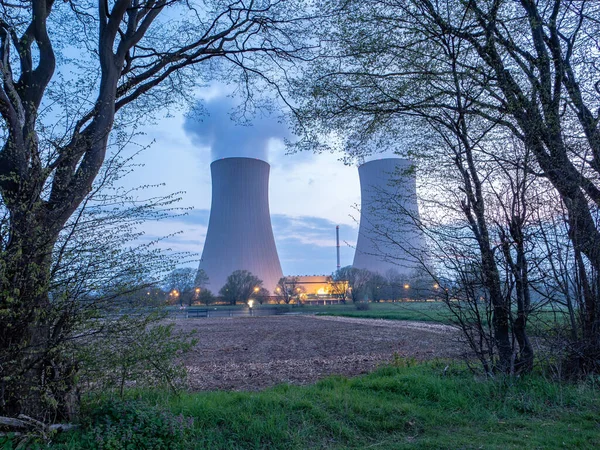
[[130, 60], [358, 284], [206, 297], [338, 285], [180, 285], [288, 289], [377, 287], [471, 77], [201, 279], [103, 287], [262, 295], [240, 286]]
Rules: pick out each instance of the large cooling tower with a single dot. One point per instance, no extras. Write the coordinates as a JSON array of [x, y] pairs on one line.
[[239, 232], [387, 237]]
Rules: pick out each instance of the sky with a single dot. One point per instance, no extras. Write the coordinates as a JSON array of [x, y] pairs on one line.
[[309, 194]]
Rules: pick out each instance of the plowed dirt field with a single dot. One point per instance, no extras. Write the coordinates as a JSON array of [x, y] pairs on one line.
[[256, 352]]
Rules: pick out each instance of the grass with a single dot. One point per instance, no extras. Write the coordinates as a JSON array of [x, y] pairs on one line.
[[425, 406], [418, 311], [541, 319]]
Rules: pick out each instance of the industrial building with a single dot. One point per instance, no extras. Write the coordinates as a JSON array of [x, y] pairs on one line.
[[240, 236], [388, 239]]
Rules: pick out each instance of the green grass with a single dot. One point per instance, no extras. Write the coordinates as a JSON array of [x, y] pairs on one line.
[[419, 311], [422, 406]]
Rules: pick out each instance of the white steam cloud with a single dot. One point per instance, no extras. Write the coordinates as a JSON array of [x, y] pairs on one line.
[[229, 137]]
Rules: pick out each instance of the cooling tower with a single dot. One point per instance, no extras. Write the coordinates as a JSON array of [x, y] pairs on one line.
[[239, 232], [387, 237]]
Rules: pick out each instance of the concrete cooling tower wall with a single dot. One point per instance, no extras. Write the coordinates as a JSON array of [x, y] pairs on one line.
[[387, 238], [239, 232]]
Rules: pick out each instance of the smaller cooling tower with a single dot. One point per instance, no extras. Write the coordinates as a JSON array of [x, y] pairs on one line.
[[387, 237], [239, 235]]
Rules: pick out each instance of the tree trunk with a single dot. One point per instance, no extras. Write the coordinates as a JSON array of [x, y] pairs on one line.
[[36, 379]]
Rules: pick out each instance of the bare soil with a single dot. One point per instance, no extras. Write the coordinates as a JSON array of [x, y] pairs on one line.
[[256, 352]]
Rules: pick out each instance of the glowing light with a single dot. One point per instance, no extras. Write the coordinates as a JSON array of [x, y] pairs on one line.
[[406, 286], [250, 303], [197, 290], [256, 289], [435, 286]]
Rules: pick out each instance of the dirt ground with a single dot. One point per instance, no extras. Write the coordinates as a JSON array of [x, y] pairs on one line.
[[256, 352]]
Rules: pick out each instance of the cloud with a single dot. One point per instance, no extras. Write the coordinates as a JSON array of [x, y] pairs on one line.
[[227, 135], [306, 245]]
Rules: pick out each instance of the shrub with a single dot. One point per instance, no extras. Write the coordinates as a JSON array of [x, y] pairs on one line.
[[142, 356], [131, 424], [362, 306]]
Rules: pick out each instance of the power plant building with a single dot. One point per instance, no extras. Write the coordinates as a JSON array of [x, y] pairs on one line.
[[388, 239], [240, 236]]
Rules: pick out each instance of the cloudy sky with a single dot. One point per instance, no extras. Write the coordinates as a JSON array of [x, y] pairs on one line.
[[309, 194]]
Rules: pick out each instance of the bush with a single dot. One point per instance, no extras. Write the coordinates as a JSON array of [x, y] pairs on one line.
[[146, 355], [131, 424], [362, 306]]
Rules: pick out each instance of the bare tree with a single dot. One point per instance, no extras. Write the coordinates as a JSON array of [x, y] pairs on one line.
[[467, 76], [201, 280], [262, 296], [377, 287], [288, 289], [338, 286], [180, 285], [357, 281]]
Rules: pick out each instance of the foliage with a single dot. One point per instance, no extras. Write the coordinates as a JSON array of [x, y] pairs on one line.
[[206, 297], [362, 306], [116, 425], [129, 353], [358, 282], [498, 103], [76, 79], [240, 286], [100, 269], [433, 405]]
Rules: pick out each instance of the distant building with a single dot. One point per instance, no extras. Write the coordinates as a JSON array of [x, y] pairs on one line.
[[319, 289]]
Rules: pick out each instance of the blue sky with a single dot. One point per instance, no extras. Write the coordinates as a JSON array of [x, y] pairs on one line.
[[309, 194]]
